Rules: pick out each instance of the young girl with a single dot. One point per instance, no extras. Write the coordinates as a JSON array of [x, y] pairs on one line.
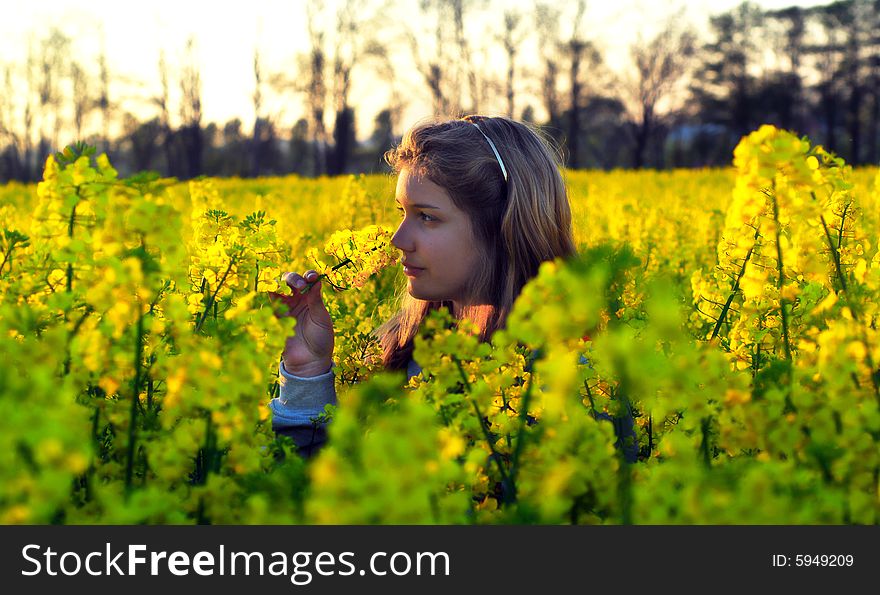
[[483, 204]]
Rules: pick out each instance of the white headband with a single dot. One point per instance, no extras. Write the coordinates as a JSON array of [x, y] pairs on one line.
[[494, 150]]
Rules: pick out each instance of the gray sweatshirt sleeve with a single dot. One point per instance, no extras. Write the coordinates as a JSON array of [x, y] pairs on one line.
[[299, 402]]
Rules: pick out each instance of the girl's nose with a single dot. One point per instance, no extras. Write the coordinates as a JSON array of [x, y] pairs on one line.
[[400, 239]]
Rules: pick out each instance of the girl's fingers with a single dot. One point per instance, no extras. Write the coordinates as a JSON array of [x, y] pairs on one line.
[[301, 283], [295, 281]]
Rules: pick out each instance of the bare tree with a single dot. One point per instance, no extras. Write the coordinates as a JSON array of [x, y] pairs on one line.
[[103, 98], [857, 21], [787, 35], [511, 39], [577, 55], [11, 166], [659, 66], [263, 145], [433, 70], [327, 72], [872, 84], [388, 75], [466, 68], [828, 53], [347, 51], [576, 48], [259, 123], [53, 53], [191, 110], [725, 89], [162, 101], [29, 108], [448, 73], [315, 86], [82, 102], [547, 18], [434, 64]]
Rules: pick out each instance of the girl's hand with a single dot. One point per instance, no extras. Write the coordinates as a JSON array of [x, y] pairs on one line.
[[309, 351]]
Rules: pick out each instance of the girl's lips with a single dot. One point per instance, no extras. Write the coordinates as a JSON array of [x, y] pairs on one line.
[[412, 271]]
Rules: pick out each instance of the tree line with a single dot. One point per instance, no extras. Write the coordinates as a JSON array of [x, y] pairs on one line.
[[684, 100]]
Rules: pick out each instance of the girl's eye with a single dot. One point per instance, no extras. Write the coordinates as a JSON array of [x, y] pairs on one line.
[[423, 216]]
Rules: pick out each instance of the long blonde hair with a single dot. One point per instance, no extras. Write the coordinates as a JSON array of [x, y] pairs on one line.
[[518, 223]]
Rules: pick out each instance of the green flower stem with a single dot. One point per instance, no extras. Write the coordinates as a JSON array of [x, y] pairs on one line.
[[70, 228], [735, 288], [70, 225], [835, 254], [704, 444], [780, 278], [590, 397], [73, 332], [521, 433], [7, 256], [213, 296], [132, 426], [624, 469], [783, 303], [336, 267], [208, 450], [496, 456], [206, 462]]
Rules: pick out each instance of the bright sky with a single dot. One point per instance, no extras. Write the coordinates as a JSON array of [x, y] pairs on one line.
[[228, 31]]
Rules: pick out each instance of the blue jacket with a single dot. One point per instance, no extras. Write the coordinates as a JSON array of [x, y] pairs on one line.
[[302, 400]]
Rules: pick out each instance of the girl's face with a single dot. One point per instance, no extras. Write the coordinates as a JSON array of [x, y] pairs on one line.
[[436, 238]]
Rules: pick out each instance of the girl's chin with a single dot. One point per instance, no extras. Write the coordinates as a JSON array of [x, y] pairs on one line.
[[415, 292], [419, 293], [417, 289]]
